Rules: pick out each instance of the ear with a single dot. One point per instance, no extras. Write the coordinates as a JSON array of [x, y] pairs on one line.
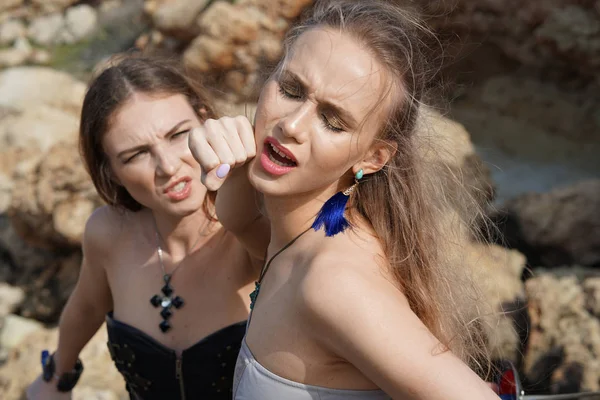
[[380, 153]]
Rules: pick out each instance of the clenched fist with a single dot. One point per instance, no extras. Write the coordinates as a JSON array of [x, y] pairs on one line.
[[221, 145]]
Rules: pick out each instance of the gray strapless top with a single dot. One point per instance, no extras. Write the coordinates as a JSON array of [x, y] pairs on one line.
[[252, 381]]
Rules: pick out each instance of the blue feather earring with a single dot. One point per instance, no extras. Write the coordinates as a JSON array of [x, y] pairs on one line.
[[331, 215]]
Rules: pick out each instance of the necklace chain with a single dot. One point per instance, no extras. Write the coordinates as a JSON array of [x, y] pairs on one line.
[[167, 300], [159, 250]]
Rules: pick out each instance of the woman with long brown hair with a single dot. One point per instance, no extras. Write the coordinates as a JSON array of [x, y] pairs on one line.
[[170, 282], [357, 298]]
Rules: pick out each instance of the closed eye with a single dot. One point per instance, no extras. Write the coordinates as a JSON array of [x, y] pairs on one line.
[[330, 123], [135, 156], [180, 134], [289, 90]]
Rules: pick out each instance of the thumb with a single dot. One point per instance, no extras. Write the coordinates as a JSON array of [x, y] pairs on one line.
[[215, 178]]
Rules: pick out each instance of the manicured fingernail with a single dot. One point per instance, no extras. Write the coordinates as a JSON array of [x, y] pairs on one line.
[[223, 170]]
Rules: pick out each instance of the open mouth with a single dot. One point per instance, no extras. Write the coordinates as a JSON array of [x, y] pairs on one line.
[[278, 157], [179, 187]]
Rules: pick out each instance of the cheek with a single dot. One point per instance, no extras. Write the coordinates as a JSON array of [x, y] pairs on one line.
[[135, 177], [334, 153]]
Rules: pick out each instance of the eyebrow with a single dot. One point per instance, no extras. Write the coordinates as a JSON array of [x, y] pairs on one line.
[[144, 146], [339, 110]]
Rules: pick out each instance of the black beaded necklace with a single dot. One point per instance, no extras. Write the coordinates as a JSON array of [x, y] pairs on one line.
[[167, 301]]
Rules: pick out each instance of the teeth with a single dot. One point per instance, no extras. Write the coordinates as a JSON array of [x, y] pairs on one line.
[[276, 150], [281, 164], [179, 187]]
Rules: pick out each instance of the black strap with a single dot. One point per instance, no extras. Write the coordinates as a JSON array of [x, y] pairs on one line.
[[268, 263], [265, 268]]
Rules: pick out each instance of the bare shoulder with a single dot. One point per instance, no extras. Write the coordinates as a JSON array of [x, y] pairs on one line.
[[351, 305], [103, 229], [350, 274]]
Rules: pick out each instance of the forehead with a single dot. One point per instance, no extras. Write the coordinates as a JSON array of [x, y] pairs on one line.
[[144, 116], [338, 67]]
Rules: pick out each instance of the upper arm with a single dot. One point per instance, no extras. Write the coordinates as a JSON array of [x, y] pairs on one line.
[[390, 345], [92, 289], [239, 212]]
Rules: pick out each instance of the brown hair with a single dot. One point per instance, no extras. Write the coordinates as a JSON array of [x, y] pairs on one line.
[[406, 202], [110, 90]]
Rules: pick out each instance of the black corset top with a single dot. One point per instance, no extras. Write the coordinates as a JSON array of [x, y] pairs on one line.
[[154, 371]]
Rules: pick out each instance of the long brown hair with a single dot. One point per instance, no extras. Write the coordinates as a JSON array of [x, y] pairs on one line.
[[408, 202], [108, 92]]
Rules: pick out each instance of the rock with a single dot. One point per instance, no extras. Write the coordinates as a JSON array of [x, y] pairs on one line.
[[591, 288], [51, 204], [231, 23], [10, 298], [560, 227], [12, 57], [38, 127], [109, 5], [100, 378], [47, 288], [206, 54], [542, 104], [6, 187], [52, 5], [289, 9], [10, 31], [15, 328], [46, 29], [8, 4], [81, 22], [236, 41], [24, 87], [91, 393], [560, 124], [40, 57], [178, 18], [563, 350], [560, 37], [21, 261]]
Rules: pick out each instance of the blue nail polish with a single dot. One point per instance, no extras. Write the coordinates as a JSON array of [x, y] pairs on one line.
[[223, 170]]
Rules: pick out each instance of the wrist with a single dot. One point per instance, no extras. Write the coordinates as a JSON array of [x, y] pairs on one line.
[[64, 380]]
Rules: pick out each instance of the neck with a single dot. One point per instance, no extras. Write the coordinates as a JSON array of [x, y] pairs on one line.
[[180, 236], [292, 215]]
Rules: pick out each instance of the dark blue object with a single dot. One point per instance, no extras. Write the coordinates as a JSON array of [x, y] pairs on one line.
[[331, 215], [45, 355]]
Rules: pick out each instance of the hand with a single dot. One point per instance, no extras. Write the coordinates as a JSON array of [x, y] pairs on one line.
[[221, 145], [42, 390]]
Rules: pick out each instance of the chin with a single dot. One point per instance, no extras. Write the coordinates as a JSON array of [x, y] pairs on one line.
[[183, 210]]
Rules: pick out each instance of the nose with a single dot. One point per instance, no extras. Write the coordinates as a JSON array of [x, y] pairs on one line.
[[167, 163], [295, 124]]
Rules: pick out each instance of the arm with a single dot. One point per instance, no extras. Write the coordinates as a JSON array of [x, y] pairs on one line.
[[390, 346], [230, 142], [238, 210], [86, 308]]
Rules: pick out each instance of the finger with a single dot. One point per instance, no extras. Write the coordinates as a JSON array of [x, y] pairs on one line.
[[246, 133], [233, 138], [215, 136], [215, 178], [202, 150]]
